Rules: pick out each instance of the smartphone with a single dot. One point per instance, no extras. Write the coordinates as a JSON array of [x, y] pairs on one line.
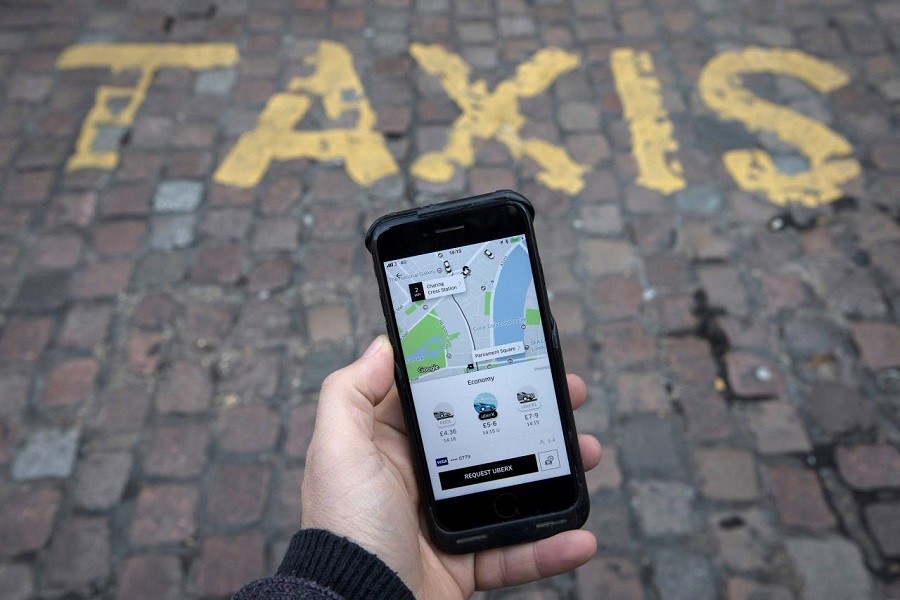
[[480, 373]]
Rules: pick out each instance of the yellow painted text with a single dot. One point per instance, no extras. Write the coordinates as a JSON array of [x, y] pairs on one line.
[[652, 142], [116, 106], [496, 115], [362, 150], [830, 156]]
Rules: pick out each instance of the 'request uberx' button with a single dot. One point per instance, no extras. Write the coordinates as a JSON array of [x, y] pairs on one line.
[[501, 469]]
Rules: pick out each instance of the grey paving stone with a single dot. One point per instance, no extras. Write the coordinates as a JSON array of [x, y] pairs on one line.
[[649, 449], [680, 575], [178, 196], [830, 568], [790, 164], [109, 138], [215, 83], [777, 428], [723, 135], [15, 582], [47, 453], [664, 507], [746, 538], [884, 522], [169, 232], [699, 199]]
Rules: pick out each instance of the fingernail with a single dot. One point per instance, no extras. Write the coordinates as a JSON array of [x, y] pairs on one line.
[[374, 347]]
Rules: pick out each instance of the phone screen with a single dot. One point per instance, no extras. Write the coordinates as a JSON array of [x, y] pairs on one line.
[[475, 352]]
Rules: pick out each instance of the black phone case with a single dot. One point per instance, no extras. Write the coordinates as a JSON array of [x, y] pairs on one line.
[[510, 532]]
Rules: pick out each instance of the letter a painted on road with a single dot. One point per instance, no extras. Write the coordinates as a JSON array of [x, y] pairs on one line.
[[362, 150], [496, 115], [830, 156], [146, 59]]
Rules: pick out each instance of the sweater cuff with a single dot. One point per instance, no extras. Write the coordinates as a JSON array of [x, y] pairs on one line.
[[342, 566]]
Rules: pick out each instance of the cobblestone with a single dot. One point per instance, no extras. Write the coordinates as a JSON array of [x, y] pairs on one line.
[[727, 474], [799, 498], [47, 453], [683, 576], [181, 324], [79, 554], [178, 196], [664, 508], [830, 568], [869, 467], [26, 521]]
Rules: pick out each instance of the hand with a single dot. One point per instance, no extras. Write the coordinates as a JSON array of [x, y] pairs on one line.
[[359, 483]]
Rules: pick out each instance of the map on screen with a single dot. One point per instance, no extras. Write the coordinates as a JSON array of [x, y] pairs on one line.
[[466, 309]]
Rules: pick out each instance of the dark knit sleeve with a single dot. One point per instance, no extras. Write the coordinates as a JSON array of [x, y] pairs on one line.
[[321, 565]]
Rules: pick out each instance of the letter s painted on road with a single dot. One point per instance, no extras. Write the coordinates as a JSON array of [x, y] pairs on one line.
[[830, 155]]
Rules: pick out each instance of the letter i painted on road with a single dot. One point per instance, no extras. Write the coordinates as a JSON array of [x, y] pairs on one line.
[[116, 105], [830, 155], [652, 142], [363, 150], [487, 115]]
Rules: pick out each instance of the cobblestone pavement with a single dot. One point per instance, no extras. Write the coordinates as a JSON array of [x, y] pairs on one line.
[[168, 315]]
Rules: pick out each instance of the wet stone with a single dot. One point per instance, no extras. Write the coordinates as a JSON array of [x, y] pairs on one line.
[[101, 480], [649, 448], [43, 291], [216, 83], [14, 391], [664, 507], [15, 582], [79, 554], [48, 453], [706, 414], [777, 428], [160, 268], [177, 451], [727, 474], [177, 196], [169, 232], [830, 568], [146, 577], [853, 293], [164, 514], [869, 467], [26, 519], [810, 336], [839, 409], [884, 523], [699, 199], [255, 378], [611, 577], [185, 388], [746, 538], [752, 376], [799, 498], [878, 343], [745, 589], [680, 575]]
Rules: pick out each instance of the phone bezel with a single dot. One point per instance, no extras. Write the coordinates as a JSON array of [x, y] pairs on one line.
[[434, 229]]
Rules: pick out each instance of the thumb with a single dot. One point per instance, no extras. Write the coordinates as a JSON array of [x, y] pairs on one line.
[[350, 395]]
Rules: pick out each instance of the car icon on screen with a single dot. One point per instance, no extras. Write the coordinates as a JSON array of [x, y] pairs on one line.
[[466, 271], [524, 397], [441, 414], [447, 266], [484, 407], [488, 253]]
